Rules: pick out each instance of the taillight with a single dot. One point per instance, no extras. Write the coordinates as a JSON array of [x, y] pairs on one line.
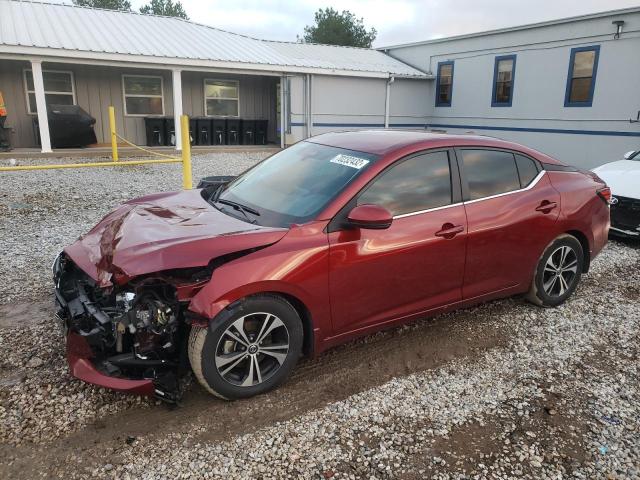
[[605, 194]]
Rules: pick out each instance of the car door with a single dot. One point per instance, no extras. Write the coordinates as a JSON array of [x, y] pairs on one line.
[[416, 264], [511, 210]]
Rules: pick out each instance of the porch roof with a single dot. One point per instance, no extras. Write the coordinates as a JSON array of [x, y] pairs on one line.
[[65, 31]]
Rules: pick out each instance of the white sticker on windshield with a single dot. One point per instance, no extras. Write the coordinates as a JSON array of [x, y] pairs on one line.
[[349, 161]]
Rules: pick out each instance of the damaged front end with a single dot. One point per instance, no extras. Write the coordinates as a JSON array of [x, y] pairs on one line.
[[130, 337]]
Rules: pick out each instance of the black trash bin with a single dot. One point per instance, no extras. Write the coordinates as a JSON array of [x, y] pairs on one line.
[[261, 132], [69, 126], [155, 127], [192, 130], [248, 132], [233, 131], [219, 131], [203, 128], [5, 143], [169, 132]]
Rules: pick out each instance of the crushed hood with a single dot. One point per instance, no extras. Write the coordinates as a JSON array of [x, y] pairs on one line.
[[623, 177], [163, 232]]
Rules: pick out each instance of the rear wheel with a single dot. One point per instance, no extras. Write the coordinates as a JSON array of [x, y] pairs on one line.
[[249, 351], [558, 272]]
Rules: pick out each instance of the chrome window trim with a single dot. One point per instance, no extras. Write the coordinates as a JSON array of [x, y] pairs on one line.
[[419, 212], [533, 183]]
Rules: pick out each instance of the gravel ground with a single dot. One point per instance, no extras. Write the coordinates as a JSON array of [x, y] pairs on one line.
[[42, 212], [556, 396]]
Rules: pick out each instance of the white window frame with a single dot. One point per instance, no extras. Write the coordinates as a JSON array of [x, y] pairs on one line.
[[125, 95], [27, 91], [204, 93]]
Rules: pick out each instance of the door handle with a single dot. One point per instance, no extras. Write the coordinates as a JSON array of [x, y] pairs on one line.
[[449, 230], [546, 206]]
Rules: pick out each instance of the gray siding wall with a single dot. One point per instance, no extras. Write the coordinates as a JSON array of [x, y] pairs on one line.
[[543, 56], [12, 88], [258, 96], [351, 103], [98, 87]]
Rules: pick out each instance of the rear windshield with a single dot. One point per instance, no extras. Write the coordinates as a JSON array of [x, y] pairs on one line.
[[294, 185]]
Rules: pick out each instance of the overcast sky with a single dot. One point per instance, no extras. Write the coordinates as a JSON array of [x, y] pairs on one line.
[[397, 21]]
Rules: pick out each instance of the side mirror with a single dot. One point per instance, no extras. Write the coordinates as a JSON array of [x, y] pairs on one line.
[[630, 154], [370, 216]]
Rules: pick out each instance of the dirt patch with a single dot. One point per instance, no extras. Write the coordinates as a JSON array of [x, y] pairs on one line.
[[632, 292], [25, 314], [546, 429]]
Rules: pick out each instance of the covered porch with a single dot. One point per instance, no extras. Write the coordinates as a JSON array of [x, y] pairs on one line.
[[148, 103]]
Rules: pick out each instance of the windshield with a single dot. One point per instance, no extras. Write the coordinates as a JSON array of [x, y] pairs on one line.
[[293, 185]]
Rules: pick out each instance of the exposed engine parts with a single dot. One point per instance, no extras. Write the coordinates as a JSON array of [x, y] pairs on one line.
[[136, 332]]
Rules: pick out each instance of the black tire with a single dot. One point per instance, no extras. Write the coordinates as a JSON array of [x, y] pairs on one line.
[[549, 289], [267, 362]]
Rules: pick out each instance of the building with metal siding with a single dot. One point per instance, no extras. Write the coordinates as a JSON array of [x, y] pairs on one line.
[[91, 52], [327, 87], [586, 134]]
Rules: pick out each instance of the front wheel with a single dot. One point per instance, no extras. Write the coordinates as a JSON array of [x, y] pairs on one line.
[[558, 272], [249, 351]]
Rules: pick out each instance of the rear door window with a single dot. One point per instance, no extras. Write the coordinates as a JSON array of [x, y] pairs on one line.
[[489, 172], [418, 183], [527, 170]]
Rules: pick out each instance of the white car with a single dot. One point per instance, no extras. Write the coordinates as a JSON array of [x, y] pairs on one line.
[[623, 177]]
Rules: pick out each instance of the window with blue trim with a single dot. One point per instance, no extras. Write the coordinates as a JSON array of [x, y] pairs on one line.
[[444, 84], [581, 79], [504, 72]]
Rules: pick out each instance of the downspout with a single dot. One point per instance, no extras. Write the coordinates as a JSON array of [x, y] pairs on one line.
[[387, 101], [309, 120]]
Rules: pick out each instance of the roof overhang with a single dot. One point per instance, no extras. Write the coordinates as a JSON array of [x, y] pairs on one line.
[[13, 52]]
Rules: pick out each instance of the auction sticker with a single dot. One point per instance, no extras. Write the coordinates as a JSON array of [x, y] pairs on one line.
[[349, 161]]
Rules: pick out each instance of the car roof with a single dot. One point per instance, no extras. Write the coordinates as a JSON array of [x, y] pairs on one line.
[[383, 142]]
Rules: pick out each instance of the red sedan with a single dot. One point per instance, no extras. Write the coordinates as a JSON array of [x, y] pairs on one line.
[[335, 237]]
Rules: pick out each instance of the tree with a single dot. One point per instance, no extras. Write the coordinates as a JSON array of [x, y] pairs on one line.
[[334, 28], [107, 4], [166, 8]]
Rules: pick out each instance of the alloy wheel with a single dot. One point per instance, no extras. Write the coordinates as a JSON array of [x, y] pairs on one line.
[[560, 271], [252, 349]]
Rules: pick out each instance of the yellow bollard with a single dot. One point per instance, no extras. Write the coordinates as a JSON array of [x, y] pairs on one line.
[[114, 138], [187, 181]]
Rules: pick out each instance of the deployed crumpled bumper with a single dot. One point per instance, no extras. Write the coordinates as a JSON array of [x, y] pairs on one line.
[[79, 356], [83, 324]]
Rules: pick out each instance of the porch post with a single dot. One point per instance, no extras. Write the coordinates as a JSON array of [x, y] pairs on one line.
[[177, 106], [283, 109], [41, 105]]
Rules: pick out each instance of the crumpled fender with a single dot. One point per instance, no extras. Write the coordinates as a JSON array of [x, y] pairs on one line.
[[297, 265]]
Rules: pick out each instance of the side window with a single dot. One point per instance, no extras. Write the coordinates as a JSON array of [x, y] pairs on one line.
[[581, 80], [413, 185], [143, 95], [444, 84], [489, 172], [527, 170], [503, 81], [58, 89]]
